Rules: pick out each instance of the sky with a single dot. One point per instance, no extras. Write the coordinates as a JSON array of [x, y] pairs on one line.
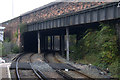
[[7, 11]]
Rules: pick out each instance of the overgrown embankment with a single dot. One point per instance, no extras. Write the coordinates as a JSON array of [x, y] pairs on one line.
[[11, 46], [98, 47]]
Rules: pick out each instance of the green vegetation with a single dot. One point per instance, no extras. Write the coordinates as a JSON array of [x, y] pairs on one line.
[[0, 48], [7, 39], [8, 48], [98, 47], [16, 34], [22, 28], [15, 49]]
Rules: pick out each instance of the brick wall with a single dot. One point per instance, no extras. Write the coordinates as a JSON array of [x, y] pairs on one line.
[[11, 28], [43, 14], [58, 9]]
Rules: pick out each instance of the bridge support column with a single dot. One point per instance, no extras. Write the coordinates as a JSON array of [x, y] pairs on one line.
[[62, 44], [67, 42], [46, 43], [43, 43], [50, 43], [53, 47], [39, 43]]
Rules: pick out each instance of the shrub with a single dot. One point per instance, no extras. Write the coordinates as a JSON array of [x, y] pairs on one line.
[[101, 43], [115, 68], [15, 49]]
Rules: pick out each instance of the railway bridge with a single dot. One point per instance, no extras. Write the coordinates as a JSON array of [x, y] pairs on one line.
[[40, 35]]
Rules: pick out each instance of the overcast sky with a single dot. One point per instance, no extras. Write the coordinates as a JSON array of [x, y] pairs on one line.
[[19, 7]]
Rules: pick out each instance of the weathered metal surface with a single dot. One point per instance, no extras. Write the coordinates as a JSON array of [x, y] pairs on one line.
[[96, 14]]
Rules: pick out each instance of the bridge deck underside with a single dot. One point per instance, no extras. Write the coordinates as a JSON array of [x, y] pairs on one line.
[[31, 38]]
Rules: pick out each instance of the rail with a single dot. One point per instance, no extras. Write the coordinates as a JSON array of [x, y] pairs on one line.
[[38, 73], [65, 75]]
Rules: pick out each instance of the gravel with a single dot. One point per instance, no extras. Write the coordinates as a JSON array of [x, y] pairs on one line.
[[46, 70], [37, 57], [42, 66], [90, 70], [8, 58]]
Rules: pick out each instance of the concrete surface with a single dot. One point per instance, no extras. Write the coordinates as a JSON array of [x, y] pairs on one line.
[[5, 71]]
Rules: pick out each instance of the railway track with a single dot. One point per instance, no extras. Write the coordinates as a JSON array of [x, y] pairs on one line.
[[58, 71], [67, 74], [38, 73]]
